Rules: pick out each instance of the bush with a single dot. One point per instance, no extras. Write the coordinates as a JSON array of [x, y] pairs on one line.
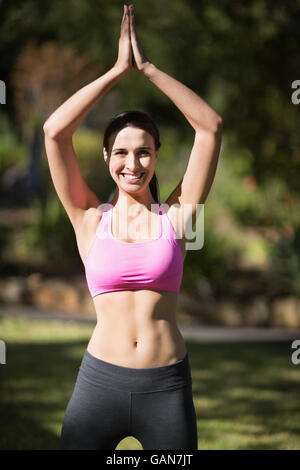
[[51, 234], [283, 275], [11, 152]]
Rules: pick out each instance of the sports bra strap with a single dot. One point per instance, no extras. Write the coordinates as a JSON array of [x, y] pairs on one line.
[[168, 231], [104, 230]]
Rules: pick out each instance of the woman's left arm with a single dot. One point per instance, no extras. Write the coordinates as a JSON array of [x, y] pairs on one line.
[[200, 172]]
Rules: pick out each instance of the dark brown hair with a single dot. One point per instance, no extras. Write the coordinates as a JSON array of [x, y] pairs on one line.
[[140, 120]]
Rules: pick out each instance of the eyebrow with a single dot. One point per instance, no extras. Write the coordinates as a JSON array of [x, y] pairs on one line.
[[144, 147]]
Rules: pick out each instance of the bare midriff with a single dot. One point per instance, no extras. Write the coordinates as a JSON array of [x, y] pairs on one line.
[[137, 329]]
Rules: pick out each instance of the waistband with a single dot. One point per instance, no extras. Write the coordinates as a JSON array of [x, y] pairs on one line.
[[98, 372]]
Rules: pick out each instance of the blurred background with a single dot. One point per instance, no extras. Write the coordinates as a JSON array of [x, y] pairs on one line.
[[241, 58]]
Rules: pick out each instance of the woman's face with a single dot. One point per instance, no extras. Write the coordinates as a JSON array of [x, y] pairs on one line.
[[131, 152]]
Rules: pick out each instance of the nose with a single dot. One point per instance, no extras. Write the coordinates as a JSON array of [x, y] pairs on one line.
[[132, 162]]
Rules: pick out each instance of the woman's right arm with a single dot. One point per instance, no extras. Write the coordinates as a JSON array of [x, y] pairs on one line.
[[71, 188]]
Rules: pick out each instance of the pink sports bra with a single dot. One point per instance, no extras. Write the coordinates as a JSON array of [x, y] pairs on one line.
[[114, 265]]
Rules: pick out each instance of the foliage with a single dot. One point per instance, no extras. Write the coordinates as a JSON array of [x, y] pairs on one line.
[[284, 265], [240, 57], [226, 52], [51, 232], [11, 152], [88, 148], [40, 86], [273, 203]]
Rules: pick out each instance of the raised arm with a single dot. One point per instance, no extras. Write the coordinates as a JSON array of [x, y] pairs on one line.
[[207, 124], [71, 188]]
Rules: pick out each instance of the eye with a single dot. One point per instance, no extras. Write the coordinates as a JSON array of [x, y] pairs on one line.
[[142, 151]]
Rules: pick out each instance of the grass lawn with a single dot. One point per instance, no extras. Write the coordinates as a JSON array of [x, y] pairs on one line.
[[246, 394]]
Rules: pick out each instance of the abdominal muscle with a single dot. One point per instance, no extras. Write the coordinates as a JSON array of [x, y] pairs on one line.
[[137, 329]]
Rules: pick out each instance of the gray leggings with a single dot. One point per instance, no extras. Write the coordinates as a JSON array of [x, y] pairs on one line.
[[110, 402]]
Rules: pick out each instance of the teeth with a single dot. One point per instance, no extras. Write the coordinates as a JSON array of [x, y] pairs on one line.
[[131, 176]]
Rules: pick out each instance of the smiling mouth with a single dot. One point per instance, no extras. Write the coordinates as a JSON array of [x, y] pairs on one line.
[[129, 177]]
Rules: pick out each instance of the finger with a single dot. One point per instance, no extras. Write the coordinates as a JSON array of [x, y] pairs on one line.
[[133, 31], [125, 23], [134, 44], [124, 13], [131, 21]]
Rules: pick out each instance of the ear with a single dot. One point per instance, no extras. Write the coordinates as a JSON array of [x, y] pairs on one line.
[[106, 156]]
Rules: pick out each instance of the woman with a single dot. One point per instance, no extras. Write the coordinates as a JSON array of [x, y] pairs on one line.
[[135, 376]]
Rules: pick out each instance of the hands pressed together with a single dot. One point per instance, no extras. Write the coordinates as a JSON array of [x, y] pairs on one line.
[[130, 53]]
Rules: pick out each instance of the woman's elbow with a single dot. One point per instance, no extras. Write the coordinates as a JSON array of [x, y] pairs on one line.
[[214, 127], [51, 131], [48, 129], [218, 126]]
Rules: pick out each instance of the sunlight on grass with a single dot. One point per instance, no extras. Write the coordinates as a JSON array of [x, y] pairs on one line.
[[246, 395], [19, 329], [129, 443]]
